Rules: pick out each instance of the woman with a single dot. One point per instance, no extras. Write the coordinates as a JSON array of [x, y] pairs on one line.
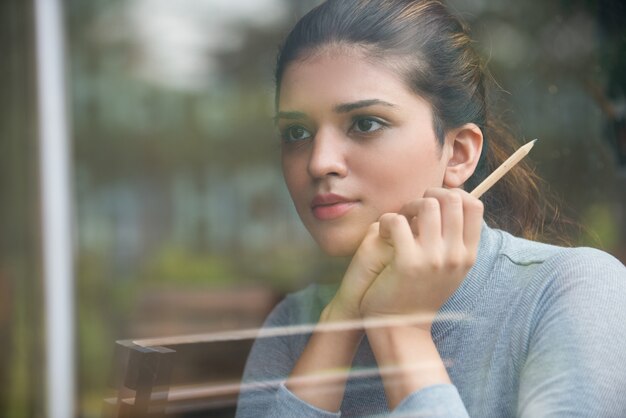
[[382, 110]]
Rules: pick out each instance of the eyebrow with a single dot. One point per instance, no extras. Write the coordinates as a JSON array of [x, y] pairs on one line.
[[340, 108], [349, 107], [289, 115]]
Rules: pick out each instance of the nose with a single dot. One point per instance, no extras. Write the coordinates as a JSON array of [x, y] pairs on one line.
[[328, 154]]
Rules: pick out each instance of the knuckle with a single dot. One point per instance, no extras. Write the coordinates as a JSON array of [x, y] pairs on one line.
[[436, 263], [453, 199], [410, 207], [430, 204], [431, 191], [455, 261], [460, 257], [476, 206]]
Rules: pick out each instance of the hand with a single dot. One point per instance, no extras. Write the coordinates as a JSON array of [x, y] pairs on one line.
[[370, 259], [435, 243]]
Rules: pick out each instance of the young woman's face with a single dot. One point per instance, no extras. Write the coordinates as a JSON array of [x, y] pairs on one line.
[[356, 143]]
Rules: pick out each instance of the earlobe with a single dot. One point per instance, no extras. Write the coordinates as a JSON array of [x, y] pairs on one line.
[[465, 145]]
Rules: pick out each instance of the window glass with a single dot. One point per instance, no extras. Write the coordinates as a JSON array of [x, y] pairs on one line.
[[183, 223], [21, 321]]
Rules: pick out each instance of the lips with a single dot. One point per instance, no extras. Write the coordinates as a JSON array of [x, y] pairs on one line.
[[331, 206]]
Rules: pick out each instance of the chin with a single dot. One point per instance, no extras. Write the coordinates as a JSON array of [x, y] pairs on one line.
[[337, 239], [336, 246]]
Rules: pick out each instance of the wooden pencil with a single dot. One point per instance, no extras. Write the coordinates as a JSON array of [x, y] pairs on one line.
[[497, 174]]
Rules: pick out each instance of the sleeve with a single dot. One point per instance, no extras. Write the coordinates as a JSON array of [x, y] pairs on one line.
[[263, 393], [438, 401], [577, 348]]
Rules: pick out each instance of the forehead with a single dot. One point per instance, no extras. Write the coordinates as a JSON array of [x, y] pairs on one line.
[[340, 75]]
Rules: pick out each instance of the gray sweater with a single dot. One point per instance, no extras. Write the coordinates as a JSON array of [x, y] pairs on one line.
[[533, 331]]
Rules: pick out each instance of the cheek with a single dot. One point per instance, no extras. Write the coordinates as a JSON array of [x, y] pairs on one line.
[[404, 176]]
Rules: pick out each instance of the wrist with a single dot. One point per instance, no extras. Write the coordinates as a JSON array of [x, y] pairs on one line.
[[335, 317], [320, 374], [397, 322], [406, 350], [338, 310], [407, 358]]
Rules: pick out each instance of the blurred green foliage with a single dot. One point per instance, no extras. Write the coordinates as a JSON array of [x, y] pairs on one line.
[[601, 226], [179, 267], [178, 185]]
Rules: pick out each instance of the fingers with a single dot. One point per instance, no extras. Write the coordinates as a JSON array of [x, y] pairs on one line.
[[395, 229], [452, 224], [450, 217]]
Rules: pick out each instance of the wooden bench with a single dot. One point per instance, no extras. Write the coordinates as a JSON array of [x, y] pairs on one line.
[[187, 376], [191, 375]]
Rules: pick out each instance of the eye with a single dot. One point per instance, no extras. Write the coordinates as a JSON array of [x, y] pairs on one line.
[[367, 125], [295, 133]]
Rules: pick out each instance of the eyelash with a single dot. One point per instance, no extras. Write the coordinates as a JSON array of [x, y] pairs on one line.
[[285, 133], [357, 119]]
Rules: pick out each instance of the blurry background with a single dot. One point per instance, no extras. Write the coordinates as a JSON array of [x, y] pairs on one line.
[[182, 222]]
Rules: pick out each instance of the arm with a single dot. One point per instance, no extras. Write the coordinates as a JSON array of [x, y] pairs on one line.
[[434, 246], [317, 381], [577, 348], [317, 376], [407, 359], [274, 353], [269, 361], [320, 374]]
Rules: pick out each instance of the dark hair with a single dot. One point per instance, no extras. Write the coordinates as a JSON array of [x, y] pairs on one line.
[[432, 50]]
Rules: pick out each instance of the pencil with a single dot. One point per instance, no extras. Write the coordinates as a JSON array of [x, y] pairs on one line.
[[497, 174]]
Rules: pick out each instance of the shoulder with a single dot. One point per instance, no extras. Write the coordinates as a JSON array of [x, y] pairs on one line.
[[571, 321], [548, 278], [558, 282], [562, 263], [300, 307]]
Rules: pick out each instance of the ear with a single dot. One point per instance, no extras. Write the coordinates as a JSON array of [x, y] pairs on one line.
[[464, 147]]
